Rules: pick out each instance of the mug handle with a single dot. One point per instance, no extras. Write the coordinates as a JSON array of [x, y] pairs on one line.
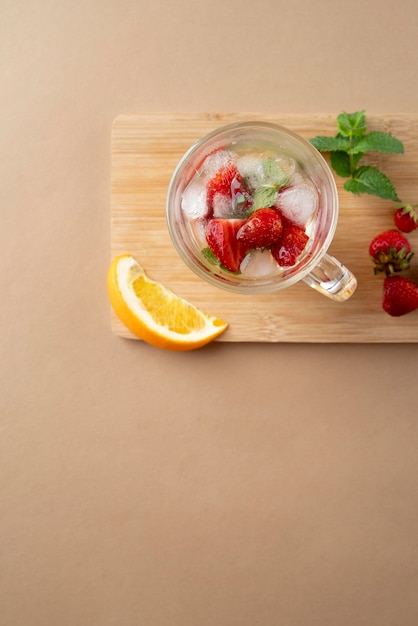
[[332, 279]]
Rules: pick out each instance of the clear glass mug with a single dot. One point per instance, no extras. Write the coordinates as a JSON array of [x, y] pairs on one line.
[[315, 266]]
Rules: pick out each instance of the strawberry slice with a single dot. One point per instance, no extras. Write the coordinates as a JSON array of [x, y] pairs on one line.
[[290, 245], [226, 182], [221, 235], [263, 228]]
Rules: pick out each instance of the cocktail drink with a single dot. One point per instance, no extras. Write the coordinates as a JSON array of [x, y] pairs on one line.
[[252, 208]]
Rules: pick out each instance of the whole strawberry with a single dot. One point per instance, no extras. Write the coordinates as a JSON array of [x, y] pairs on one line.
[[400, 295], [391, 252], [406, 217]]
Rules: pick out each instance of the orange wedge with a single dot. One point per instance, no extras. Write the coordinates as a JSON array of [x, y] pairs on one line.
[[154, 313]]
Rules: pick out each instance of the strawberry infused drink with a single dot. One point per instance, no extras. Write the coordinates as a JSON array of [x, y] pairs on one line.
[[252, 207], [251, 211]]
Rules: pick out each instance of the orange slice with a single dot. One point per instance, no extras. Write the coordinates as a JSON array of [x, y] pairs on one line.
[[154, 313]]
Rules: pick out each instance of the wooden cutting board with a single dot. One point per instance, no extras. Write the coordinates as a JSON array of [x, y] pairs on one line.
[[145, 150]]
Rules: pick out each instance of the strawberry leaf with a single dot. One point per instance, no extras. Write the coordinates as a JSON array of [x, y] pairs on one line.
[[368, 179]]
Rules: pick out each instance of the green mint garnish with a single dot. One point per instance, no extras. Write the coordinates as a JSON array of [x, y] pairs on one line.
[[331, 144], [343, 163], [273, 179], [210, 256], [368, 179], [264, 196], [273, 173], [377, 142], [213, 259], [350, 145], [352, 124]]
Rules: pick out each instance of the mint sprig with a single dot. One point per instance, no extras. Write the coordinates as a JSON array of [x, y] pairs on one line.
[[351, 143]]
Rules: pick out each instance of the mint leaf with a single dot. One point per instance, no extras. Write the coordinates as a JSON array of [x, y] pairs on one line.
[[340, 162], [330, 144], [378, 142], [356, 158], [352, 124], [210, 256], [355, 186], [368, 179], [264, 197], [273, 173], [274, 178]]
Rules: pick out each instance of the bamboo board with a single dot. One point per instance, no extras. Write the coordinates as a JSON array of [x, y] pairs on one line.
[[145, 150]]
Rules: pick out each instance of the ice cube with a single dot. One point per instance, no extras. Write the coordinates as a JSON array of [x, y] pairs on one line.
[[222, 205], [193, 201], [287, 164], [251, 169], [299, 203], [258, 264], [215, 161], [297, 178], [199, 231]]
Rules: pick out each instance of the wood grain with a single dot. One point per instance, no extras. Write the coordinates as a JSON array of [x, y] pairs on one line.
[[145, 150]]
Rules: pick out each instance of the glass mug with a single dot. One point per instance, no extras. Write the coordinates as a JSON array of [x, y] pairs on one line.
[[314, 266]]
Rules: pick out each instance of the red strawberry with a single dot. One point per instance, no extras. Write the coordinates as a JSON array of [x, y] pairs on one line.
[[226, 176], [221, 235], [406, 218], [263, 228], [391, 252], [400, 295], [290, 245]]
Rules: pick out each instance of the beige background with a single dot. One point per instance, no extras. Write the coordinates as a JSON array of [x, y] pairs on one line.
[[239, 485]]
